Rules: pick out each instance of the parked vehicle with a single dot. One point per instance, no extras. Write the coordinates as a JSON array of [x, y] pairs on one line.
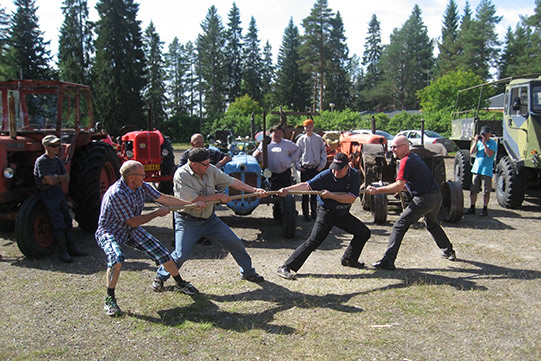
[[430, 137], [518, 134], [383, 133], [30, 110]]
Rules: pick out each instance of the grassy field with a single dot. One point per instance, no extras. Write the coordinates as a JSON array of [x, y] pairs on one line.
[[486, 306]]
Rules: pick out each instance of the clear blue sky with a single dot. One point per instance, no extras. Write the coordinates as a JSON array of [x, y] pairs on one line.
[[182, 18]]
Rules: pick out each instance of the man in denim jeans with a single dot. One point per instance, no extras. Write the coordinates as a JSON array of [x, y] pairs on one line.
[[197, 181], [413, 175]]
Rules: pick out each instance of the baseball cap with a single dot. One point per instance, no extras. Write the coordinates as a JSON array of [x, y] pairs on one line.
[[485, 130], [276, 127], [339, 162], [308, 122], [50, 140]]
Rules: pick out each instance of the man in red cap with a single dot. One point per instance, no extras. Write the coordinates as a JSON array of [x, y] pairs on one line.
[[312, 161], [340, 188]]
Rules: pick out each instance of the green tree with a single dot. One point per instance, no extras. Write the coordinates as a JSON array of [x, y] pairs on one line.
[[267, 76], [193, 79], [441, 94], [252, 64], [533, 52], [448, 47], [372, 94], [176, 65], [291, 88], [338, 82], [515, 57], [408, 61], [315, 49], [210, 47], [75, 43], [154, 91], [233, 53], [4, 44], [28, 57], [119, 67]]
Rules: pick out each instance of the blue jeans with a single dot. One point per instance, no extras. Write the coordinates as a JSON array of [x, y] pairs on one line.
[[426, 206], [189, 230]]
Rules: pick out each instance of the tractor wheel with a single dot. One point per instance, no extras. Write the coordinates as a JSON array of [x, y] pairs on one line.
[[168, 167], [438, 170], [463, 168], [94, 168], [378, 207], [452, 206], [289, 217], [33, 230], [509, 184]]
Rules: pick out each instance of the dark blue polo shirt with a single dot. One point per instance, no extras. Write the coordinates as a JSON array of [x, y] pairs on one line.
[[417, 175], [327, 181]]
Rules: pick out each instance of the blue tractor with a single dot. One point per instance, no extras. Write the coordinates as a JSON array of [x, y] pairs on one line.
[[247, 169]]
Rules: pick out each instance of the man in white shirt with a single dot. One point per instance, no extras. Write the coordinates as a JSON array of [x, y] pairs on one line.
[[313, 158]]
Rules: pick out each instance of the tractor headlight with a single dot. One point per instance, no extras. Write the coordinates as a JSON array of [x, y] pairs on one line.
[[165, 152], [129, 154], [9, 173]]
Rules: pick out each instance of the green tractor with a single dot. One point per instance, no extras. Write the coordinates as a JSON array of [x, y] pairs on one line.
[[518, 134]]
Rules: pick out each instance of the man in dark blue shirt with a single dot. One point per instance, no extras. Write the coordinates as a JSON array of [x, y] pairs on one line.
[[49, 174], [413, 175], [340, 188]]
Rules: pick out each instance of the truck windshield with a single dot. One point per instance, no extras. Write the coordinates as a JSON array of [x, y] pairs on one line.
[[536, 98]]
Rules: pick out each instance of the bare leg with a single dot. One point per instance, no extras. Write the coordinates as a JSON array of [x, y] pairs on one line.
[[473, 199], [486, 199], [112, 275], [171, 267]]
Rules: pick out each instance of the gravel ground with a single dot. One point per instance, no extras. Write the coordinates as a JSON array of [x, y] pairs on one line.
[[486, 306]]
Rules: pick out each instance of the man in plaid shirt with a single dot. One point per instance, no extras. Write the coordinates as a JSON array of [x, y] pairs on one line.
[[120, 224]]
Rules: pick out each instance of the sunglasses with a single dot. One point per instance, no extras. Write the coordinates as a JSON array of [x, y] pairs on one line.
[[204, 164], [54, 145], [396, 146]]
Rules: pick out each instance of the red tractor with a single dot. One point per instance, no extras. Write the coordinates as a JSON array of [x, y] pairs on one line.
[[31, 110]]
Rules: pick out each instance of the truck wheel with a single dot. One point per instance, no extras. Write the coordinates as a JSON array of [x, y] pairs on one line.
[[452, 206], [463, 168], [94, 168], [168, 167], [33, 230], [289, 217], [378, 206], [509, 184]]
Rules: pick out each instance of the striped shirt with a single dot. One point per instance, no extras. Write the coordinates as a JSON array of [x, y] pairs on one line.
[[46, 165], [121, 203]]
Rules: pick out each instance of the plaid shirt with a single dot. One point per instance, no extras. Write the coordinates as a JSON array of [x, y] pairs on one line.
[[46, 165], [119, 204]]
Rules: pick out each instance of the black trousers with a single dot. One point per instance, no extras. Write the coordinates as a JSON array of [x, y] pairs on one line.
[[306, 199], [280, 180], [325, 221]]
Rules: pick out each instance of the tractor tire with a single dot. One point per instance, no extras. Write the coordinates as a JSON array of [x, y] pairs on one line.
[[168, 167], [289, 217], [378, 207], [438, 170], [33, 230], [94, 168], [509, 184], [463, 168], [452, 206]]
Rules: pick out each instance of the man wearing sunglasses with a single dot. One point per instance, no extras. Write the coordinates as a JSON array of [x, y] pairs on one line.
[[197, 181], [49, 174], [415, 177]]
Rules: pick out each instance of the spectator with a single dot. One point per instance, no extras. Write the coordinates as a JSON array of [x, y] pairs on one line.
[[217, 158]]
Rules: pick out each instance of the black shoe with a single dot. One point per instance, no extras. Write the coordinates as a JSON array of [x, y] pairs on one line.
[[75, 252], [286, 273], [346, 262], [470, 211], [484, 212], [384, 264], [65, 257], [252, 277], [450, 255]]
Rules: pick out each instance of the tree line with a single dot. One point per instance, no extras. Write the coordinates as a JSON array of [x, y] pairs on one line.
[[226, 73]]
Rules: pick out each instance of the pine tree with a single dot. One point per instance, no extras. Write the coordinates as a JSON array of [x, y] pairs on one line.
[[28, 55], [267, 76], [338, 83], [408, 61], [154, 91], [233, 54], [448, 47], [210, 47], [370, 81], [119, 66], [177, 66], [75, 43], [533, 52], [251, 74], [515, 59], [4, 44], [291, 87], [315, 49], [193, 80]]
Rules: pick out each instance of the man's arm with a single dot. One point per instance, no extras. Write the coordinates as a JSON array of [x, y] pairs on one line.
[[145, 218], [473, 148], [346, 198], [241, 186], [56, 179], [226, 158], [397, 186]]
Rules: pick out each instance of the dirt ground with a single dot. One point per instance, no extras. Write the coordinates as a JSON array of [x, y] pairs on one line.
[[485, 306]]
